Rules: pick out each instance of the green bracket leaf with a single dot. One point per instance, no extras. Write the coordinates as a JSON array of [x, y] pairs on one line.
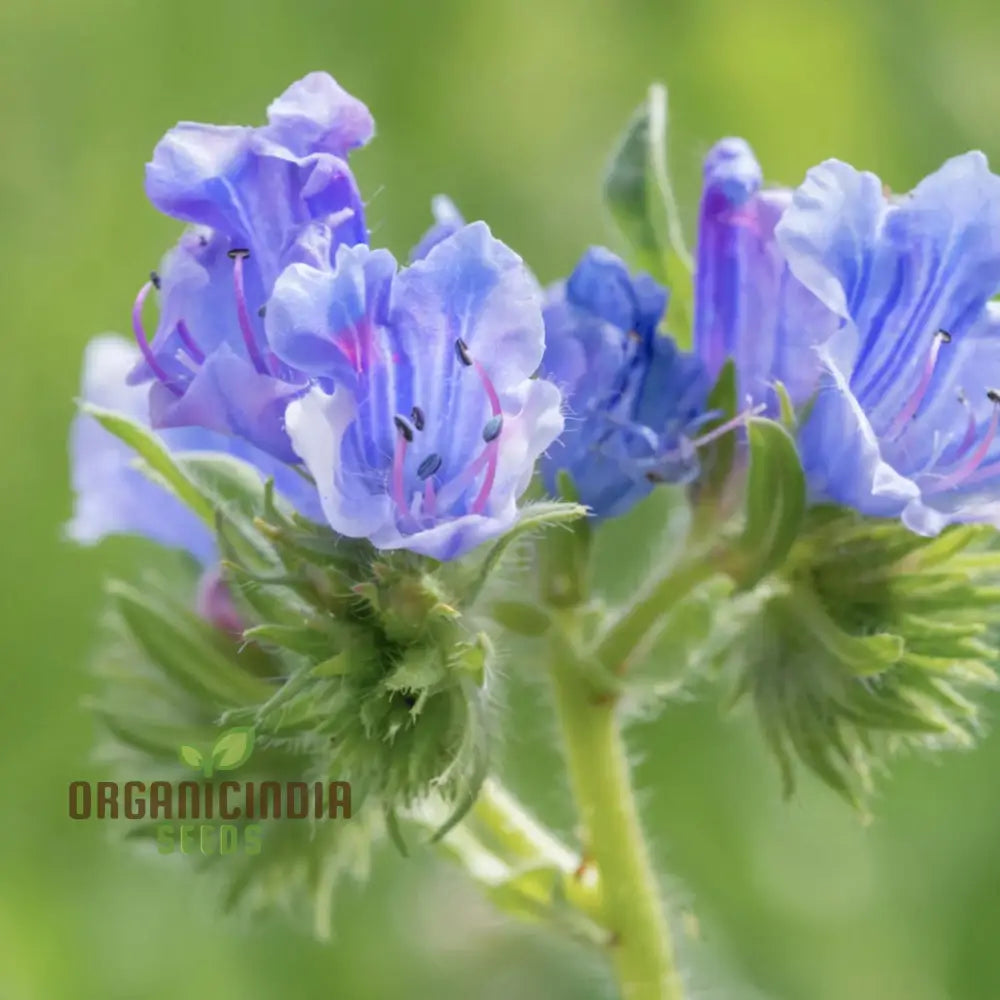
[[638, 192], [775, 504]]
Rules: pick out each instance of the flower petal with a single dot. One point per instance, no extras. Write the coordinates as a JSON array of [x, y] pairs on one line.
[[230, 397], [842, 456], [315, 114], [748, 306], [324, 322], [111, 495]]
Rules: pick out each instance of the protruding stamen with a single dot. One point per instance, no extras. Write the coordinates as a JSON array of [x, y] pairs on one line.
[[403, 438], [154, 278], [429, 508], [140, 339], [417, 416], [969, 465], [491, 453], [908, 411], [404, 427], [238, 255], [262, 311], [429, 466], [493, 428], [970, 427], [489, 387], [462, 350], [740, 420], [190, 345]]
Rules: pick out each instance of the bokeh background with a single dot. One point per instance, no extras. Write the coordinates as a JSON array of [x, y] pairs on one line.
[[510, 106]]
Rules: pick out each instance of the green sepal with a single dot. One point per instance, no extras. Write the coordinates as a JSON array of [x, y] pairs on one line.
[[775, 504], [185, 648]]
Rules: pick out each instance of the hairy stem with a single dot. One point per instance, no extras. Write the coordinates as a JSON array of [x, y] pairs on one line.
[[641, 946]]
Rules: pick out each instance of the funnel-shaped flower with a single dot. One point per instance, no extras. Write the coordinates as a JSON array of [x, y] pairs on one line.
[[748, 305], [113, 497], [634, 401], [906, 416], [258, 199], [434, 425]]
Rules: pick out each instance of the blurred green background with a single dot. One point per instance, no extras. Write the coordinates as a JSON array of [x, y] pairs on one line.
[[510, 107]]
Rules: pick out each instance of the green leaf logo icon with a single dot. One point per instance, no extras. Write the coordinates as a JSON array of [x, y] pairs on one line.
[[192, 756], [231, 749]]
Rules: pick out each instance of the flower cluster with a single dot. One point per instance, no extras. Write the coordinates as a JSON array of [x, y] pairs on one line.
[[419, 399]]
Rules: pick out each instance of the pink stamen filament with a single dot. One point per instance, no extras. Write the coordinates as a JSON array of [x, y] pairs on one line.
[[491, 455], [196, 353], [243, 314], [491, 391], [913, 403], [730, 425], [430, 498], [966, 468], [398, 495], [140, 339], [970, 428]]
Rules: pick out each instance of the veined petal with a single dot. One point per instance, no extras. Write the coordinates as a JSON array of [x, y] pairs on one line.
[[897, 271], [447, 221], [229, 396], [112, 496], [317, 424], [842, 457], [325, 323], [748, 306], [474, 288], [316, 114]]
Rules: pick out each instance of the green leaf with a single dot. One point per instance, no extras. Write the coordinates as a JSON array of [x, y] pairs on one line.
[[192, 756], [185, 648], [145, 443], [787, 409], [775, 503], [233, 748], [639, 195]]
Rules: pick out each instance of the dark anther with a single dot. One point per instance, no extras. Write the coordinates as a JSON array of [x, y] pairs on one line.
[[155, 279], [417, 416], [261, 311], [493, 428], [945, 336], [429, 465], [404, 427], [238, 252], [462, 350], [654, 477], [993, 395]]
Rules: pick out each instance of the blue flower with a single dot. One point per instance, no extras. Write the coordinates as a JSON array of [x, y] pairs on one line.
[[257, 199], [447, 220], [113, 497], [748, 305], [434, 423], [633, 400], [905, 419]]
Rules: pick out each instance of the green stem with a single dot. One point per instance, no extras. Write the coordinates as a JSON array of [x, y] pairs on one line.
[[632, 628], [521, 840], [599, 773]]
